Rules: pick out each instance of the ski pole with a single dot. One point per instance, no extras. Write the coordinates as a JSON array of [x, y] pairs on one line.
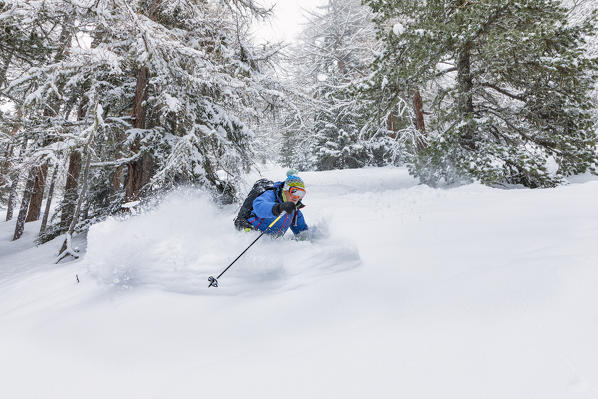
[[214, 281]]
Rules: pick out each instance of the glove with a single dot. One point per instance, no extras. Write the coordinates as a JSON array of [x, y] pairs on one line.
[[287, 207]]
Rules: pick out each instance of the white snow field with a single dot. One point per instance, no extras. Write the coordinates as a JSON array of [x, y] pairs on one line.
[[408, 292]]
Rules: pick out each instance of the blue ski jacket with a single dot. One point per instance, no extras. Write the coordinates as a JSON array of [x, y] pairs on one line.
[[262, 216]]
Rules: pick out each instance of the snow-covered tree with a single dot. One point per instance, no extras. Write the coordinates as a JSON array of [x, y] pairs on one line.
[[179, 83], [578, 12], [335, 51], [338, 43], [507, 84]]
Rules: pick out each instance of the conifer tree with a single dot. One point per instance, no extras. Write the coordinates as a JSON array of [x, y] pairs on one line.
[[203, 82], [340, 39], [344, 123], [338, 47], [507, 84]]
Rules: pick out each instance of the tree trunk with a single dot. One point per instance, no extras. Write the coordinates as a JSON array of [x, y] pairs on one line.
[[419, 112], [48, 201], [465, 93], [117, 176], [418, 108], [390, 125], [11, 197], [20, 226], [147, 169], [66, 248], [70, 189], [72, 178], [341, 66], [5, 166], [67, 242], [140, 171], [13, 188], [9, 149], [5, 67], [135, 168], [35, 205], [116, 179], [53, 110], [465, 82]]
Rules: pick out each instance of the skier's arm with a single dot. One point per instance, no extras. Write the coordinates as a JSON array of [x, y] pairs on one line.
[[262, 205]]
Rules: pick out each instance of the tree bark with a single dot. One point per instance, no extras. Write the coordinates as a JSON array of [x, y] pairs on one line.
[[341, 66], [135, 168], [66, 248], [11, 197], [41, 173], [9, 149], [147, 169], [35, 205], [20, 226], [139, 172], [117, 176], [5, 165], [465, 93], [70, 189], [418, 108], [48, 201], [419, 112], [390, 125], [13, 188], [67, 242], [116, 179], [5, 67], [465, 81]]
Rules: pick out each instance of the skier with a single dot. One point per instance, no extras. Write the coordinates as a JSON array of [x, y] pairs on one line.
[[267, 201]]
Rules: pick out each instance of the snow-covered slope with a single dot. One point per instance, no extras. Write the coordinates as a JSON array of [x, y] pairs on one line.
[[409, 291]]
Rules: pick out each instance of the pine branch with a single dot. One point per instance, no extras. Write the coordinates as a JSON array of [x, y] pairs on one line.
[[505, 92]]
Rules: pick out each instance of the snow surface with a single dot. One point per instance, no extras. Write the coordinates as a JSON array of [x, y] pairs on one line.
[[409, 291]]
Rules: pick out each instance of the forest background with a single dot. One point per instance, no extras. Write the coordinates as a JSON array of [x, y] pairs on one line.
[[109, 103]]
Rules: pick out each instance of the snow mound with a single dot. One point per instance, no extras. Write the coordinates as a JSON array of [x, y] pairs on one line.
[[179, 244]]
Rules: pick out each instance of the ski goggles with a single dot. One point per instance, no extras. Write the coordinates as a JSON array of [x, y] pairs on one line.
[[296, 193]]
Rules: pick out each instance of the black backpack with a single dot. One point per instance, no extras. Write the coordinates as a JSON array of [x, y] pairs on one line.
[[259, 187]]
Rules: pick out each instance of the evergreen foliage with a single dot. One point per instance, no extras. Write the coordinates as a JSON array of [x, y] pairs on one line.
[[342, 127], [508, 83], [509, 90], [339, 53], [205, 82]]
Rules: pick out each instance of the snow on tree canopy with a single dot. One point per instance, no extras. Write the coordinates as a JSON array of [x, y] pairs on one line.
[[398, 29]]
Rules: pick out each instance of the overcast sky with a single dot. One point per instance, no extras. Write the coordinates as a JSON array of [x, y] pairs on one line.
[[286, 22]]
